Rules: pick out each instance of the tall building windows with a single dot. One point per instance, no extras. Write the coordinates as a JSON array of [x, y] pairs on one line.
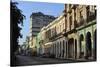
[[60, 29], [70, 21], [55, 30], [81, 18], [88, 12], [63, 26]]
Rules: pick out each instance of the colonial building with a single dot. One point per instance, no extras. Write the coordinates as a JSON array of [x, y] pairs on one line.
[[40, 38], [80, 31], [73, 34]]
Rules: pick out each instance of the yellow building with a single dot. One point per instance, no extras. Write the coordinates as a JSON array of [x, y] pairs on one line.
[[72, 35]]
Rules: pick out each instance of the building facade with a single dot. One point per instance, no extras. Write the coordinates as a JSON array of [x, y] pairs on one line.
[[37, 21], [73, 34], [40, 38]]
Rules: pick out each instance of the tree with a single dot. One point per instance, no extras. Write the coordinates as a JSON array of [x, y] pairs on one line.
[[16, 18]]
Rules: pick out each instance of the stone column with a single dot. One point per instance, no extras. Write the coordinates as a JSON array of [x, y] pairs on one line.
[[74, 49], [92, 46], [85, 53], [73, 18], [54, 48], [57, 50], [67, 49], [64, 49], [50, 50], [60, 49], [78, 47]]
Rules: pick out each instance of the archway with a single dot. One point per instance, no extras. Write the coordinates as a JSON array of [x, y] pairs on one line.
[[88, 44], [60, 49], [71, 48], [81, 40], [75, 48], [95, 43], [66, 48], [63, 48]]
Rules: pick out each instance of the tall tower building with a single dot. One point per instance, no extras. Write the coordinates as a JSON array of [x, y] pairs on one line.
[[37, 21]]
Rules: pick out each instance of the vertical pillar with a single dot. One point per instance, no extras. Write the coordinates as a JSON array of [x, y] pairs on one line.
[[68, 26], [64, 49], [51, 49], [73, 48], [78, 46], [57, 49], [67, 49], [85, 53], [92, 46], [54, 50], [73, 18], [60, 49]]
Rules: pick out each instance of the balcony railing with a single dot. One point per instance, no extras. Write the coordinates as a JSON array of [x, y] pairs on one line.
[[91, 17]]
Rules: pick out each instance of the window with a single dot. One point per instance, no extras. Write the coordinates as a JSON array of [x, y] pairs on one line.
[[60, 28], [70, 21], [63, 26], [55, 30], [81, 18]]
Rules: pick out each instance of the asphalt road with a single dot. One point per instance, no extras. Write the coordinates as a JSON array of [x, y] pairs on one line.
[[27, 60]]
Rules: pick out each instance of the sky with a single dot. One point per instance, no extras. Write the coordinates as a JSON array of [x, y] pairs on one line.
[[27, 7]]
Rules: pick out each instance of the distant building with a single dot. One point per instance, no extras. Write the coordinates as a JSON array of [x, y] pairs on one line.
[[37, 21]]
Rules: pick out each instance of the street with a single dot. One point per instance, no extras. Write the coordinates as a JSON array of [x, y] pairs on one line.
[[29, 60]]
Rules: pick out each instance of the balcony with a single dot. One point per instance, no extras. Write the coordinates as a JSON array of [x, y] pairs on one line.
[[91, 17], [81, 21], [75, 23], [69, 10], [64, 32]]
